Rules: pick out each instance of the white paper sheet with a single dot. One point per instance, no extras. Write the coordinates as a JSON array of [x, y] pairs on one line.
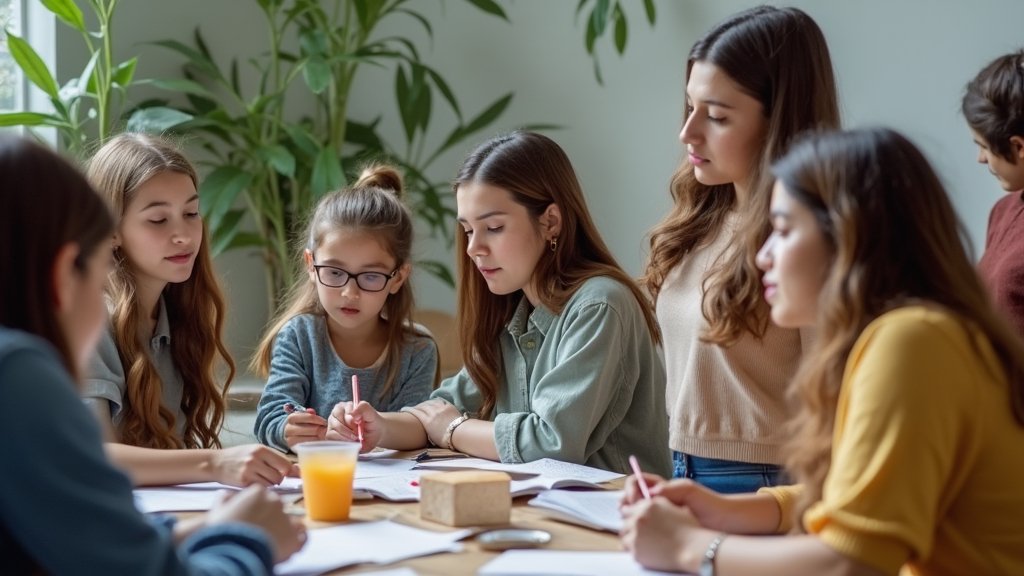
[[543, 467], [561, 563], [199, 496], [598, 510], [380, 542]]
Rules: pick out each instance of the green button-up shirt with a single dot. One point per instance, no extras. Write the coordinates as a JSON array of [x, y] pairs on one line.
[[584, 386]]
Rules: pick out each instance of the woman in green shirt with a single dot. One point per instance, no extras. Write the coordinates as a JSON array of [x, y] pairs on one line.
[[559, 344]]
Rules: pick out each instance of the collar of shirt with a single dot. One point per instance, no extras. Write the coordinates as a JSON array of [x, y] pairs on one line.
[[524, 319], [162, 333]]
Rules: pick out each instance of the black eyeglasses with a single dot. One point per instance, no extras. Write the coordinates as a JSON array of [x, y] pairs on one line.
[[334, 277]]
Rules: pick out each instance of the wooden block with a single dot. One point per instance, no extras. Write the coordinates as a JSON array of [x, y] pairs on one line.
[[465, 498]]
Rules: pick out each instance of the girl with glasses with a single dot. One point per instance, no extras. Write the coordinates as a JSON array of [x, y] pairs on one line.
[[560, 345], [64, 509], [153, 379], [352, 316]]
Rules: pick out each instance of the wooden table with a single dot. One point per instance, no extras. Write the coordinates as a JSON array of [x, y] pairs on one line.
[[563, 536]]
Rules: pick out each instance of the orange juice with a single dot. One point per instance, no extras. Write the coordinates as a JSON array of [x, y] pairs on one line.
[[327, 471]]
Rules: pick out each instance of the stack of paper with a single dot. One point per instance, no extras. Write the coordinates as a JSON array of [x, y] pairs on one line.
[[379, 542], [597, 510], [196, 497]]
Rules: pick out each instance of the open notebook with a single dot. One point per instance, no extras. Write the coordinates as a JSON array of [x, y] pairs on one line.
[[598, 510]]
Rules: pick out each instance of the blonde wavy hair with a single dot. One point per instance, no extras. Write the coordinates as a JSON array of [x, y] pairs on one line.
[[896, 240], [372, 205], [195, 308], [778, 56]]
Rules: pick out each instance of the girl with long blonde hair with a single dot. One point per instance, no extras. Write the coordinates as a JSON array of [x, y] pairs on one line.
[[349, 317], [558, 342], [908, 443], [754, 82], [154, 378]]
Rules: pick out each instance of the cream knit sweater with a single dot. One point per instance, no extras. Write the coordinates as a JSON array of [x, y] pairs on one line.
[[726, 403]]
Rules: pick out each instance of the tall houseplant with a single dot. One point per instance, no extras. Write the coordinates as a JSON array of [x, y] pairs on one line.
[[87, 107], [279, 166]]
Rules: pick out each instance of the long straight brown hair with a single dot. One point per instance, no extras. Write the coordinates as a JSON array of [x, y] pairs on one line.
[[897, 241], [45, 204], [536, 172], [779, 57], [195, 309], [372, 205]]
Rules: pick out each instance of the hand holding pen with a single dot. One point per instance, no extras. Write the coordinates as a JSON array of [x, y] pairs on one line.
[[303, 425]]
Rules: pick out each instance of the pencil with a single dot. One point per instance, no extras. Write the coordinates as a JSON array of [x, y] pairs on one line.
[[639, 477], [355, 402]]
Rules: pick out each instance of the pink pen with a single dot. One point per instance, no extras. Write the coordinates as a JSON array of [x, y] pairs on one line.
[[639, 477], [355, 402]]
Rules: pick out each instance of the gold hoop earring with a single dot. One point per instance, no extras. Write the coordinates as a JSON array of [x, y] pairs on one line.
[[554, 244]]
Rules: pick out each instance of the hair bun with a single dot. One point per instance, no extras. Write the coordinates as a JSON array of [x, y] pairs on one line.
[[381, 176]]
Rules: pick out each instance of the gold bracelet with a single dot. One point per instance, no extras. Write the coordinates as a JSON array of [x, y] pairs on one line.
[[447, 439]]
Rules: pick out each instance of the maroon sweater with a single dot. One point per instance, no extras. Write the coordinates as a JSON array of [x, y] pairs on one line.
[[1002, 265]]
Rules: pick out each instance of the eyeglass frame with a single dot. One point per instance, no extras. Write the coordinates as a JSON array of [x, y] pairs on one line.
[[388, 277]]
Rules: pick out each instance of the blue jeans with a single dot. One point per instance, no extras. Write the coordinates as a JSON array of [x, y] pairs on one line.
[[725, 476]]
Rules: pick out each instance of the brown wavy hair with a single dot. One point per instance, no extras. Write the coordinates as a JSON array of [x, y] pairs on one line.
[[778, 56], [195, 309], [896, 241], [993, 103], [372, 205], [45, 204], [537, 173]]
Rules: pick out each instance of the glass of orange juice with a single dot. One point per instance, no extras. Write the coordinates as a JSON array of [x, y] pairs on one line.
[[327, 469]]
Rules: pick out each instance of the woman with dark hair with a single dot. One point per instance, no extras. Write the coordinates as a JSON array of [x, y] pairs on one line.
[[559, 344], [63, 508], [754, 82], [908, 444], [994, 108]]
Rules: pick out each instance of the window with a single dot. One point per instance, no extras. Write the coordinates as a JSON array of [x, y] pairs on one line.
[[10, 79]]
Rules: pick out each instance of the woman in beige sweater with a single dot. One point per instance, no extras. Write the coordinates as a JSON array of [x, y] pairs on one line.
[[754, 82]]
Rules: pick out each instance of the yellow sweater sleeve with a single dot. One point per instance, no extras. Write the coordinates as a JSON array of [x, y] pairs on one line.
[[903, 407], [785, 497]]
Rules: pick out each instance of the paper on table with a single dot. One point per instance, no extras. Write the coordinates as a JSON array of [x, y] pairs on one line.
[[544, 467], [196, 497], [598, 510], [560, 563], [404, 487], [380, 542], [377, 467]]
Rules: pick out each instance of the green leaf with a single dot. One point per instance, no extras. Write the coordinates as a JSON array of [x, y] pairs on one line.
[[446, 90], [27, 119], [313, 43], [224, 234], [439, 270], [68, 12], [649, 9], [124, 72], [364, 135], [591, 36], [302, 138], [156, 120], [420, 18], [489, 115], [620, 29], [32, 66], [246, 240], [195, 57], [317, 74], [600, 16], [403, 95], [421, 103], [218, 192], [87, 81], [183, 86], [280, 159], [579, 7], [491, 7], [327, 174]]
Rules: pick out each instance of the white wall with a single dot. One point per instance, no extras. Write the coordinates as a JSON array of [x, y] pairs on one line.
[[899, 63]]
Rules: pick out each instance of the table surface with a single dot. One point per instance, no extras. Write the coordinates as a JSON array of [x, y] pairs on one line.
[[564, 536]]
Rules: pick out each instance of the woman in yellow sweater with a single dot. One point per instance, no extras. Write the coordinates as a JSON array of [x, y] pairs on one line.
[[908, 447]]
